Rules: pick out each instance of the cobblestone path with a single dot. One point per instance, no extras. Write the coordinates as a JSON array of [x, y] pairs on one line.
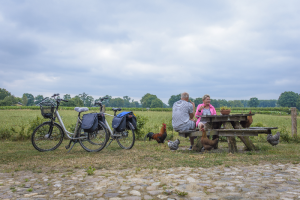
[[281, 181]]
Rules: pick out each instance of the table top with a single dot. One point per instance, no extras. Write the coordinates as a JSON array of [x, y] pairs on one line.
[[225, 118]]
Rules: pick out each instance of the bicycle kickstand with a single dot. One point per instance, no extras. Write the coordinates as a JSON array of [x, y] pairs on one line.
[[109, 143], [68, 146]]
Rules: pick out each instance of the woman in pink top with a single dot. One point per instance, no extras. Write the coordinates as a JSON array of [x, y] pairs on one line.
[[204, 109]]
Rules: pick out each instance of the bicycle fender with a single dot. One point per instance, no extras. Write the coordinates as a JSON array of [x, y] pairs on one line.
[[102, 124], [130, 126]]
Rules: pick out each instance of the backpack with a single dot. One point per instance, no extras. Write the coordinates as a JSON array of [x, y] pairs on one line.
[[119, 122], [89, 122]]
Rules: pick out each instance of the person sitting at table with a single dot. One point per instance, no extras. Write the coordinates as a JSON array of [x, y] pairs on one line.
[[183, 113], [204, 109]]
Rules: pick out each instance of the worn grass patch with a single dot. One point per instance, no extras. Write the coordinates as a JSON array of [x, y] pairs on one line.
[[22, 156]]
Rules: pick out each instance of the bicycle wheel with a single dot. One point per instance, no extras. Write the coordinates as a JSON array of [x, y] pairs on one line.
[[95, 141], [47, 137], [126, 141]]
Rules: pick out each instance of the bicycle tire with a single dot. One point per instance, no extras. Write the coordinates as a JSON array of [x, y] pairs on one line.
[[96, 139], [40, 138], [127, 141]]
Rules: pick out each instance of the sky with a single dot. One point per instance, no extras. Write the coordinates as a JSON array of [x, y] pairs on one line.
[[230, 50]]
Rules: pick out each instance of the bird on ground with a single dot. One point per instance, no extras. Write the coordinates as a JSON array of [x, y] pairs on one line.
[[273, 139], [248, 122], [207, 143], [173, 145], [159, 137]]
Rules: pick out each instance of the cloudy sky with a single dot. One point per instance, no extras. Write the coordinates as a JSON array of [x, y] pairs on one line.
[[228, 49]]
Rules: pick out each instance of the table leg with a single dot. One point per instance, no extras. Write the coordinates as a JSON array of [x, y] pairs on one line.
[[232, 148], [249, 146]]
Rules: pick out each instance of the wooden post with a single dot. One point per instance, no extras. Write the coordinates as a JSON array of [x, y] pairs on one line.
[[294, 121], [103, 108], [249, 146], [232, 148]]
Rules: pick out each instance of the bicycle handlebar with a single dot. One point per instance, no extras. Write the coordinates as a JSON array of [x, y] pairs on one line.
[[54, 95]]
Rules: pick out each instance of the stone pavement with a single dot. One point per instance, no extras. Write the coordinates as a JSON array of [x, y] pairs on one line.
[[268, 181]]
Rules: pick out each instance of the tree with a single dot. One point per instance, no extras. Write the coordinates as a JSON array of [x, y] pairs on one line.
[[38, 99], [4, 93], [30, 99], [253, 102], [117, 102], [83, 97], [126, 101], [9, 101], [67, 97], [156, 103], [147, 100], [89, 101], [77, 101], [24, 100], [288, 99], [173, 99], [298, 103]]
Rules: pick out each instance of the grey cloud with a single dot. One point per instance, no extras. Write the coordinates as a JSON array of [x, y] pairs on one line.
[[228, 49]]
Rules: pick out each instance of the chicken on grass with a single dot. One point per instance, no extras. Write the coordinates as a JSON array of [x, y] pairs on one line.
[[207, 143], [159, 137], [273, 139], [173, 145]]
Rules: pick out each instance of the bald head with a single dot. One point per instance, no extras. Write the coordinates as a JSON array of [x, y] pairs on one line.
[[185, 96]]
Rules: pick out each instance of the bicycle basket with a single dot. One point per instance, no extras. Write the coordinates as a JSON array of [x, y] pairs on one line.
[[47, 109]]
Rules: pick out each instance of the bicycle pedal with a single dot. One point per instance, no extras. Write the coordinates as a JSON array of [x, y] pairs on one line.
[[67, 147]]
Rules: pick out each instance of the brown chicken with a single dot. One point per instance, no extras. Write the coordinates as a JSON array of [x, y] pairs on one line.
[[248, 122], [207, 143], [159, 137]]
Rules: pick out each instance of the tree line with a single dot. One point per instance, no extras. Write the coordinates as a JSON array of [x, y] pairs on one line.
[[286, 99]]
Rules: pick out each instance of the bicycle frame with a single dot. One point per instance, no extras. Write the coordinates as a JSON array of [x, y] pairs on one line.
[[64, 128]]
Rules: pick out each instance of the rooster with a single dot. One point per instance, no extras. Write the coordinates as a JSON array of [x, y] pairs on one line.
[[248, 122], [173, 145], [159, 137], [207, 143], [273, 139]]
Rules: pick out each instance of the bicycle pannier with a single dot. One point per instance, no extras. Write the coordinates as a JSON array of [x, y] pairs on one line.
[[132, 119], [101, 118], [90, 122], [119, 123]]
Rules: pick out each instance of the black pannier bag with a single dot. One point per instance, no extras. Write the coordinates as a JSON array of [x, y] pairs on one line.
[[101, 118], [89, 122], [119, 121], [132, 119]]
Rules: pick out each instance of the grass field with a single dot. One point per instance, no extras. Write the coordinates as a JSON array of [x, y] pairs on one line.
[[20, 155], [18, 119]]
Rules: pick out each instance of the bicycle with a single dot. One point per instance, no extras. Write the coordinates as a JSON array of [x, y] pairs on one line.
[[49, 135], [126, 138]]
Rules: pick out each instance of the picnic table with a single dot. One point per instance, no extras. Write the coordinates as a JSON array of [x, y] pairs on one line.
[[230, 127]]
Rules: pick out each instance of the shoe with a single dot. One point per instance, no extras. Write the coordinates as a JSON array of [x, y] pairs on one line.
[[191, 147]]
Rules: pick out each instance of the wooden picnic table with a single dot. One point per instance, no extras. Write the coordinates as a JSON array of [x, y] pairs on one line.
[[230, 127]]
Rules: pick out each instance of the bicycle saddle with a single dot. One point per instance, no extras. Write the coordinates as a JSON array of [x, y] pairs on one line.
[[81, 109], [116, 109]]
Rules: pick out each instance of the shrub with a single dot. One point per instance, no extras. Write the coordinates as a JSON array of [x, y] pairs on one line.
[[141, 121], [5, 134], [284, 134]]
